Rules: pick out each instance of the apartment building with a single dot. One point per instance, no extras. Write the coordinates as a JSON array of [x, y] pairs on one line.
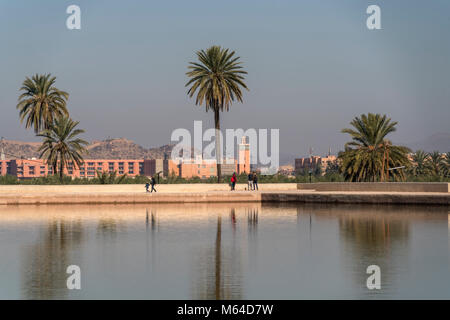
[[313, 162], [202, 168]]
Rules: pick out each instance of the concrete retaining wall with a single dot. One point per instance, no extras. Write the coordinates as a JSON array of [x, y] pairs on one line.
[[135, 188], [360, 198], [377, 186], [228, 197]]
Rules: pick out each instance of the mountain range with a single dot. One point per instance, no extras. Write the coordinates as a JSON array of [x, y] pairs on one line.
[[122, 148], [106, 149]]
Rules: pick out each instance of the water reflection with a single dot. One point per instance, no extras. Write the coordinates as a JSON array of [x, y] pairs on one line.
[[373, 239], [218, 274], [224, 251], [45, 262]]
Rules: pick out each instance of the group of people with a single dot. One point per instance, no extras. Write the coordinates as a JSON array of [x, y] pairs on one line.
[[252, 182]]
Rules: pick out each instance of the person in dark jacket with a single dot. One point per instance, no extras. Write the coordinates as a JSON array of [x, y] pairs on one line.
[[153, 182], [147, 185], [250, 181], [255, 181]]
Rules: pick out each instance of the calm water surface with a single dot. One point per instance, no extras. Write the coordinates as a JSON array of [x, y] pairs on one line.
[[239, 251]]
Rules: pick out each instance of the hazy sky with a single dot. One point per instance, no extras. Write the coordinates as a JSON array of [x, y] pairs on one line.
[[313, 65]]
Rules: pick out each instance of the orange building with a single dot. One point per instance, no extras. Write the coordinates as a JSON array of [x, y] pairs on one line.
[[34, 168], [206, 168]]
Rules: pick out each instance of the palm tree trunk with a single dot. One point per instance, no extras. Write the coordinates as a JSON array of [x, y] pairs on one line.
[[387, 166], [218, 144], [61, 169]]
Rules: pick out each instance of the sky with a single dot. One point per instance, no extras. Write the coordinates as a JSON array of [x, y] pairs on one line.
[[312, 66]]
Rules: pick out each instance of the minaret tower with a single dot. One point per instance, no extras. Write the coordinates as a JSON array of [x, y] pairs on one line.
[[243, 165]]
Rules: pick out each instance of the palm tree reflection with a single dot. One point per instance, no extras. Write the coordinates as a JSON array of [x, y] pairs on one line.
[[373, 238], [218, 274], [44, 269]]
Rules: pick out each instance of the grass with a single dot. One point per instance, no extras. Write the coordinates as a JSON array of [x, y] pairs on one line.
[[302, 178]]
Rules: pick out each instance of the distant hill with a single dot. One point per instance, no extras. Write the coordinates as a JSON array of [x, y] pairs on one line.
[[436, 142], [107, 149]]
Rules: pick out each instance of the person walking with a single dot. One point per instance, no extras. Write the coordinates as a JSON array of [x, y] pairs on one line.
[[233, 181], [255, 181], [153, 182], [147, 185], [250, 181]]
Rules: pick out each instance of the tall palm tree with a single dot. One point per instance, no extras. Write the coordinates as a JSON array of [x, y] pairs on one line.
[[41, 102], [435, 162], [420, 163], [217, 80], [61, 144], [370, 156]]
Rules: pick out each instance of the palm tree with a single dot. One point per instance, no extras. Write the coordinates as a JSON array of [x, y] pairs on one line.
[[369, 156], [446, 165], [110, 178], [435, 162], [41, 102], [420, 163], [217, 80], [61, 145]]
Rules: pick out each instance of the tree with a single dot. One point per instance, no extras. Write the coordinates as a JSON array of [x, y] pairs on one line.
[[420, 163], [370, 156], [61, 144], [435, 162], [216, 80], [110, 178], [41, 102], [446, 165]]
